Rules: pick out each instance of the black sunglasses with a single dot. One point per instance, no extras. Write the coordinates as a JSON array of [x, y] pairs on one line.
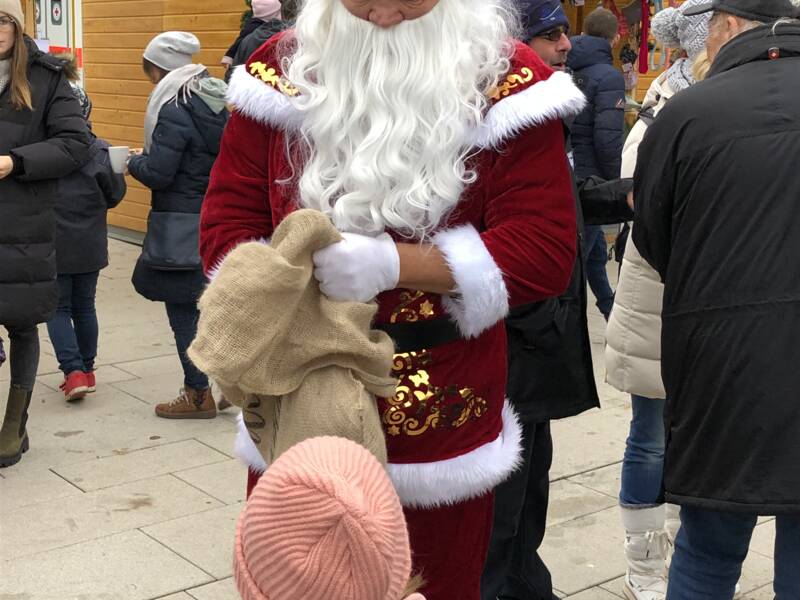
[[554, 34]]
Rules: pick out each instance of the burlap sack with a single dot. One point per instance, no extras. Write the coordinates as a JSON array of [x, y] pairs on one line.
[[298, 364]]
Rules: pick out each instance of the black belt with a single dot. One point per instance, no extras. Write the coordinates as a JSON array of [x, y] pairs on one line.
[[420, 335]]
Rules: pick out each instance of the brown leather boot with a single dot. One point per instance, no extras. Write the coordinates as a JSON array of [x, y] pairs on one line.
[[13, 436], [190, 404]]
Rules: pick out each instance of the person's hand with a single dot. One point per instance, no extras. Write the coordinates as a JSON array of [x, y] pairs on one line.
[[6, 166], [135, 152], [358, 268], [630, 201]]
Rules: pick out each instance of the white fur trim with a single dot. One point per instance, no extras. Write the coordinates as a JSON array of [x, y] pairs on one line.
[[555, 98], [480, 299], [214, 271], [246, 450], [262, 102], [428, 485]]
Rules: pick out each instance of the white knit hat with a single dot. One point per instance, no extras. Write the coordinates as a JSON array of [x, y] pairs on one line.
[[172, 49], [675, 29], [13, 8]]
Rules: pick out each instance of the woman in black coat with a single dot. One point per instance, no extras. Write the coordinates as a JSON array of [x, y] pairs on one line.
[[183, 129], [42, 137]]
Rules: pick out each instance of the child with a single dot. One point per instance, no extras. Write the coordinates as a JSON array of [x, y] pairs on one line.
[[81, 252], [324, 522]]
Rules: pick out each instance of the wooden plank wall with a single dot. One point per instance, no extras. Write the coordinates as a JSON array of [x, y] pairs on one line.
[[115, 33]]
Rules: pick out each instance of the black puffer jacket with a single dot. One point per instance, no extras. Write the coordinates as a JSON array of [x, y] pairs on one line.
[[84, 198], [45, 144], [717, 215], [185, 145], [597, 133]]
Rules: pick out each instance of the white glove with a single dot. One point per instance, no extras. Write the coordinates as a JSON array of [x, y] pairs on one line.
[[358, 268]]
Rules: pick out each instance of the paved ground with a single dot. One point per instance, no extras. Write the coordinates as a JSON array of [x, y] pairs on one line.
[[113, 503]]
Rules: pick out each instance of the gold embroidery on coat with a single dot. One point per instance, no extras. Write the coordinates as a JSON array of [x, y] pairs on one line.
[[421, 406], [270, 75], [512, 81], [405, 310]]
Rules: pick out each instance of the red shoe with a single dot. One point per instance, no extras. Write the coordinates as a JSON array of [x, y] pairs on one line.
[[90, 381], [75, 386]]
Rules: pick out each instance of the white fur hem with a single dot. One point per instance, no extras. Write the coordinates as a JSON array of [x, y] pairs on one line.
[[260, 101], [428, 485], [555, 98], [480, 299], [246, 450], [214, 271]]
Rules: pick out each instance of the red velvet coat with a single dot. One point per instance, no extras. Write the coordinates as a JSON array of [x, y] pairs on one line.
[[511, 241]]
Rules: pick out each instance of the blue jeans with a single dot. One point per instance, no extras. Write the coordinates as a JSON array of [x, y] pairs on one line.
[[596, 259], [74, 330], [183, 321], [643, 465], [711, 547]]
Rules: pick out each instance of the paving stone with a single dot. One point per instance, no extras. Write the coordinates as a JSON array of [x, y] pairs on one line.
[[154, 388], [219, 590], [106, 423], [595, 593], [222, 441], [585, 552], [576, 450], [607, 480], [100, 569], [757, 571], [206, 539], [49, 525], [178, 596], [763, 593], [139, 464], [225, 481], [23, 487], [164, 363], [569, 501], [763, 540], [614, 586]]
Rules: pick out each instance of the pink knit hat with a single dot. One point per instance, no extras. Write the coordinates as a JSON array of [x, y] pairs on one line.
[[267, 9], [324, 522]]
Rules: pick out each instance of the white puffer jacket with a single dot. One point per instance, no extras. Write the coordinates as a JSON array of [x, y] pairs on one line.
[[633, 336]]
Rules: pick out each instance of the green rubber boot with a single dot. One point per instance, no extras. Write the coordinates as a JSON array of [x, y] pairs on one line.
[[13, 436]]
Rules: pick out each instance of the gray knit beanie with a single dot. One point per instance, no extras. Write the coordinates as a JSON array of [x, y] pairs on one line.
[[172, 49], [13, 8], [675, 30]]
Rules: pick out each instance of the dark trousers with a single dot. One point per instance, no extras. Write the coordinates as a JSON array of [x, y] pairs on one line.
[[513, 569], [23, 355], [74, 329], [596, 274], [183, 319]]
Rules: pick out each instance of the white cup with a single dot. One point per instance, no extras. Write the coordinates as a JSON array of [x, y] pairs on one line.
[[119, 158]]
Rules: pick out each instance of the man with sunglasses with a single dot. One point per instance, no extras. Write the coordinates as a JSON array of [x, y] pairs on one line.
[[550, 374]]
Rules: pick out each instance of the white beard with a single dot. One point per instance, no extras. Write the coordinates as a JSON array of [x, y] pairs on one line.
[[389, 111]]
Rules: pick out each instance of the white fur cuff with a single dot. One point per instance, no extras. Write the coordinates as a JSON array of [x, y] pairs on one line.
[[480, 299], [246, 450], [428, 485], [214, 271]]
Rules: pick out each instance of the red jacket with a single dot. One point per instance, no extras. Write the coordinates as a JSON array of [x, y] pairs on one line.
[[511, 241]]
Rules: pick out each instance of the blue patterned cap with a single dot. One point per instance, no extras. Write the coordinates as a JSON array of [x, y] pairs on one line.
[[540, 15]]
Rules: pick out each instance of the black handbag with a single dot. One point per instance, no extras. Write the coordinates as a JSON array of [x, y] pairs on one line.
[[172, 241]]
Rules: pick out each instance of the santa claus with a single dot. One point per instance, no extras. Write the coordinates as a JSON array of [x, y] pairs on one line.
[[435, 143]]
